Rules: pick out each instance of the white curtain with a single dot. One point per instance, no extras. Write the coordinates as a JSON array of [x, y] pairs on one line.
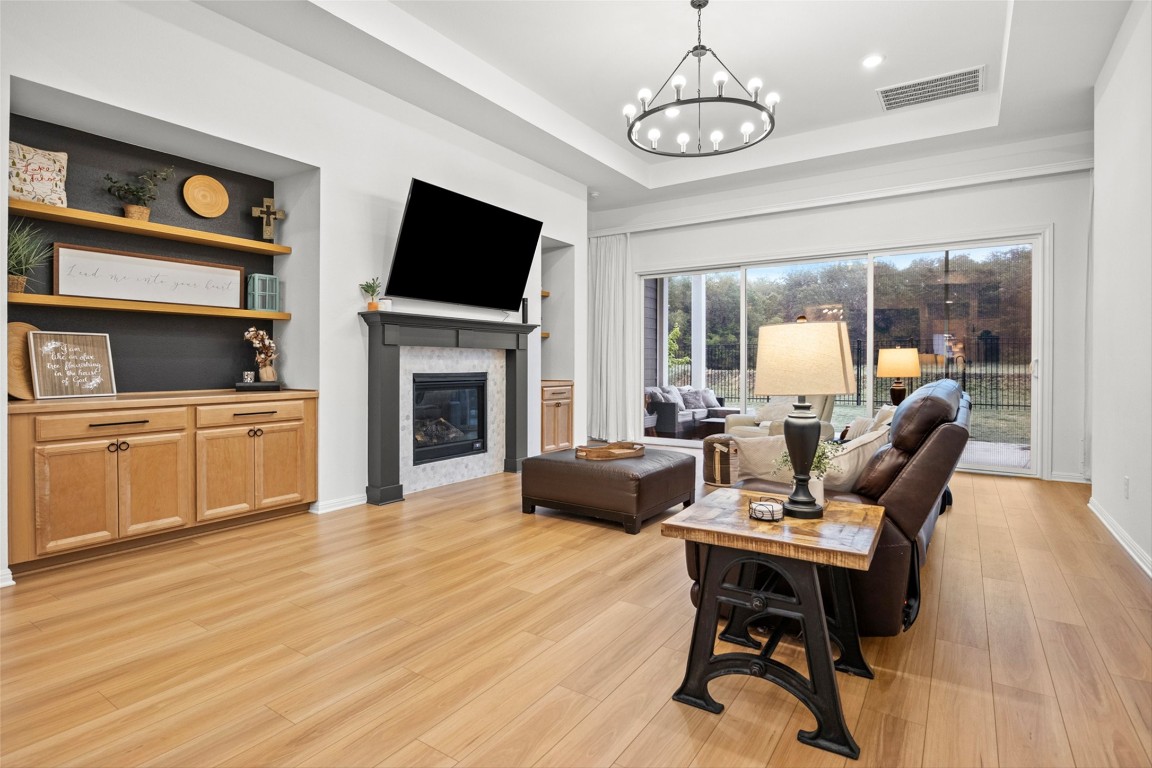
[[610, 411]]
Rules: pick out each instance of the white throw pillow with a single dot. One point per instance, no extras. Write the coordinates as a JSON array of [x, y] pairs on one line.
[[859, 426], [710, 400], [850, 462], [883, 417], [759, 457], [672, 395], [37, 174]]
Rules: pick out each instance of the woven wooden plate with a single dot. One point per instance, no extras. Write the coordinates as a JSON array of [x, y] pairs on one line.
[[609, 451], [206, 196], [19, 370]]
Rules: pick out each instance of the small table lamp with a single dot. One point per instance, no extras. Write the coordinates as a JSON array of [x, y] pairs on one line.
[[897, 363], [813, 358]]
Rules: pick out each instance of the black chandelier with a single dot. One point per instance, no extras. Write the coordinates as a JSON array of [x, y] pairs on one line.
[[684, 118]]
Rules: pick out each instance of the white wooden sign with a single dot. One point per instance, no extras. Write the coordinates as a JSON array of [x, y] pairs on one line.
[[99, 273]]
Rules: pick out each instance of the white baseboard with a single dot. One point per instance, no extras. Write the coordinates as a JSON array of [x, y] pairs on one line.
[[6, 579], [1142, 558], [332, 505], [1069, 477]]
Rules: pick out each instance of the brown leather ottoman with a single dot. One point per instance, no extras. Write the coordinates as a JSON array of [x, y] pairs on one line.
[[627, 491]]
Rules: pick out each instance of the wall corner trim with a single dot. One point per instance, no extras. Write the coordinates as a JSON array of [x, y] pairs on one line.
[[1142, 558]]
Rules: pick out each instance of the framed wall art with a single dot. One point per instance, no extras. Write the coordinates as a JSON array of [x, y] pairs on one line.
[[70, 364], [99, 273]]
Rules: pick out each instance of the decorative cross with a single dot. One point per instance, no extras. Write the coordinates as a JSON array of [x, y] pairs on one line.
[[269, 214]]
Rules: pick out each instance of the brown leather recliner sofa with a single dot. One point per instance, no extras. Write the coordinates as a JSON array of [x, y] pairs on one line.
[[909, 478]]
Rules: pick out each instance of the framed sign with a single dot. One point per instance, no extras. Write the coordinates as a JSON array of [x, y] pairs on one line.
[[70, 364], [84, 271]]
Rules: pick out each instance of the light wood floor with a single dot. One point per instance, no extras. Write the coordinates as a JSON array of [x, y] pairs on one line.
[[451, 629]]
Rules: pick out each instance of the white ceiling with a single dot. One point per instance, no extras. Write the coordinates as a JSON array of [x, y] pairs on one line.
[[548, 78]]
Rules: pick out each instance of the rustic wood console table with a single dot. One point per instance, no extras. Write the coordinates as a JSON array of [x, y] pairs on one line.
[[761, 571]]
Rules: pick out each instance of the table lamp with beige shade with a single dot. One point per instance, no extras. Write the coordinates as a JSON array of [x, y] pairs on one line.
[[808, 358], [898, 363]]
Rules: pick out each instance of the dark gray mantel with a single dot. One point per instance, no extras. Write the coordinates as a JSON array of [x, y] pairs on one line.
[[387, 332]]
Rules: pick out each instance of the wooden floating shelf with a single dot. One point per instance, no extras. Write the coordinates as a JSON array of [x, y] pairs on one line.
[[145, 228], [545, 294], [155, 307], [545, 335]]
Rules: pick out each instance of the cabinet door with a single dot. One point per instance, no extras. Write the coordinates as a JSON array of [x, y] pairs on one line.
[[225, 481], [76, 496], [563, 426], [548, 427], [280, 470], [155, 479]]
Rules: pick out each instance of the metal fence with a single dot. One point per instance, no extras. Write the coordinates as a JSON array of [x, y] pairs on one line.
[[997, 376]]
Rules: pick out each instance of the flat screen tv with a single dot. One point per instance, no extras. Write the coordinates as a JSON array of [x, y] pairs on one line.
[[459, 250]]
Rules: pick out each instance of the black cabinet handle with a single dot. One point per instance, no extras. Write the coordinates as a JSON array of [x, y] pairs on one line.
[[256, 413], [119, 423], [123, 445], [259, 432], [112, 447], [252, 433]]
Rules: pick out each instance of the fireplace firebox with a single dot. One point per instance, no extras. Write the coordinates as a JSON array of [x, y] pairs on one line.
[[448, 415]]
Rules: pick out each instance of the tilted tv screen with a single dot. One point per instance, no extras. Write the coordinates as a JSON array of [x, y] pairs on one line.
[[459, 250]]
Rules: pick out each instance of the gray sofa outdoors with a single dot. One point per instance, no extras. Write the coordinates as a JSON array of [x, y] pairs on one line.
[[679, 410]]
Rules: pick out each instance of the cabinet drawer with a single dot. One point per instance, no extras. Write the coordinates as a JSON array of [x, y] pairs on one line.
[[110, 423], [249, 413], [556, 393]]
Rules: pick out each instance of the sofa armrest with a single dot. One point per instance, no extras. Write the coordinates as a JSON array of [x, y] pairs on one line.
[[667, 417], [739, 420]]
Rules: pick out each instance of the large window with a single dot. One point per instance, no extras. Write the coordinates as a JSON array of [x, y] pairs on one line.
[[967, 311]]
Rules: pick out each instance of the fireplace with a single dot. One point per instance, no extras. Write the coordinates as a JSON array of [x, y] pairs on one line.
[[448, 415]]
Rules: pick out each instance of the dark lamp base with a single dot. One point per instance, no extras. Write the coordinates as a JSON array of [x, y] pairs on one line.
[[803, 511], [898, 392]]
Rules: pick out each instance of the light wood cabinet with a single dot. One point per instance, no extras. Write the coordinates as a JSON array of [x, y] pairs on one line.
[[86, 473], [555, 415], [260, 462]]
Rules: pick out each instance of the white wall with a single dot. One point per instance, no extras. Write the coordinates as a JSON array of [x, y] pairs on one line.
[[225, 81], [1057, 205], [1121, 333]]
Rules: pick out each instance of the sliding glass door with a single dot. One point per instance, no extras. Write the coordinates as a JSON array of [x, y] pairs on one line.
[[968, 312]]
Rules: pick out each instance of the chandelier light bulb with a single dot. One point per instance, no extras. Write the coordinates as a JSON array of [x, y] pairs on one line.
[[716, 138], [746, 130], [772, 99], [644, 96], [654, 136], [672, 113], [678, 84], [719, 79], [629, 112], [682, 140], [754, 85]]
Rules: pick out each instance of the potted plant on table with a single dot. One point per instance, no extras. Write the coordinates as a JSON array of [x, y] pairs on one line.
[[822, 462], [27, 250], [137, 195], [372, 289]]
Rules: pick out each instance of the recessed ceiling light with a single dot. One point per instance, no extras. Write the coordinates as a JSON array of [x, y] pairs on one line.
[[873, 61]]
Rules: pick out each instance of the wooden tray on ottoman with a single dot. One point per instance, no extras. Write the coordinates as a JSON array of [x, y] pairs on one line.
[[609, 451]]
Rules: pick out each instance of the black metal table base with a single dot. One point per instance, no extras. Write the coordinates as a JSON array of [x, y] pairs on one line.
[[778, 592]]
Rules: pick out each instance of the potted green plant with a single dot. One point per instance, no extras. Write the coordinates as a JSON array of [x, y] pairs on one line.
[[822, 462], [372, 289], [137, 195], [27, 250]]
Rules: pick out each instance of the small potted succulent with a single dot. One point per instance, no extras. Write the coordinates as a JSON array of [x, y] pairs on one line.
[[27, 250], [371, 289], [138, 194]]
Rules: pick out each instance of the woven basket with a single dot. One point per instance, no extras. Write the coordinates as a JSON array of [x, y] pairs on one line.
[[138, 212], [17, 283], [609, 451]]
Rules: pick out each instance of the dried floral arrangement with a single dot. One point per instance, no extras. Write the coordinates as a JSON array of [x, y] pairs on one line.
[[265, 347]]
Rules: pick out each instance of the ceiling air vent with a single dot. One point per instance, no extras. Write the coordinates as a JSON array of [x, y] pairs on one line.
[[932, 89]]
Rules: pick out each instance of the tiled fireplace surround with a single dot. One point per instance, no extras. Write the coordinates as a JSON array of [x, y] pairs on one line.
[[402, 344]]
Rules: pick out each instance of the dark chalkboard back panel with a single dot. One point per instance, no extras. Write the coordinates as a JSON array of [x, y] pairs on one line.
[[150, 352]]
